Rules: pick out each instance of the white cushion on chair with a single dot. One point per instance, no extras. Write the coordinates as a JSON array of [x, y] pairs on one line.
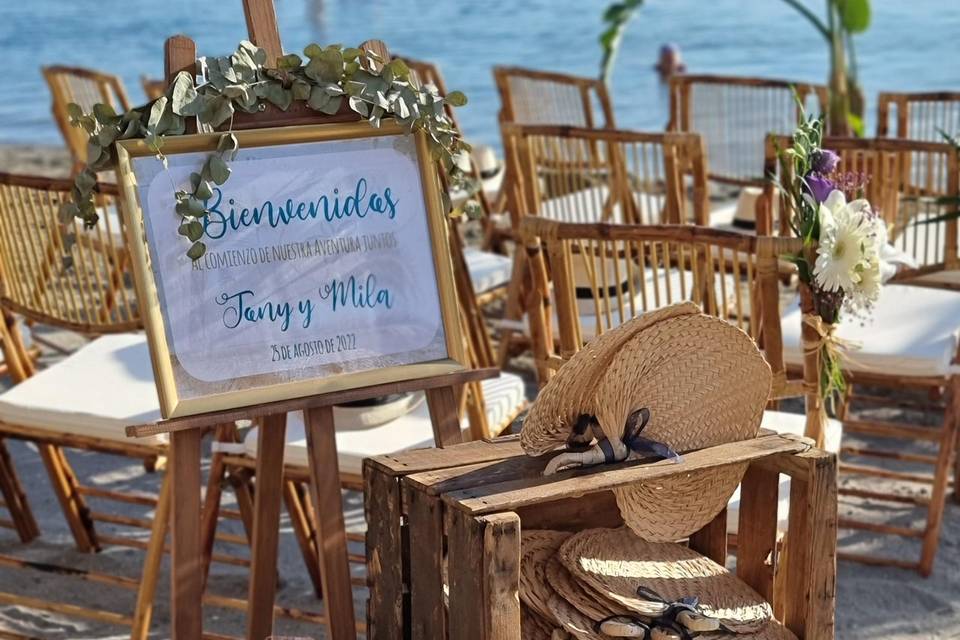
[[947, 278], [487, 270], [912, 331], [96, 391], [504, 397], [792, 423]]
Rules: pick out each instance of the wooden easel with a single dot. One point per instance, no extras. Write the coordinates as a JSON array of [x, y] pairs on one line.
[[187, 567]]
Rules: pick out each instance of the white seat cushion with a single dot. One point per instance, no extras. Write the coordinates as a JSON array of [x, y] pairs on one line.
[[792, 423], [97, 391], [487, 270], [945, 278], [504, 397], [912, 331]]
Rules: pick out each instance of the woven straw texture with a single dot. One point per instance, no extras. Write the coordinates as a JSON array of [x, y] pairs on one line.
[[536, 549], [573, 621], [673, 508], [533, 626], [581, 596], [615, 562], [703, 380], [572, 392]]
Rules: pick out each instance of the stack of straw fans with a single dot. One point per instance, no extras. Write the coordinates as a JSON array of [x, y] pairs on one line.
[[666, 382]]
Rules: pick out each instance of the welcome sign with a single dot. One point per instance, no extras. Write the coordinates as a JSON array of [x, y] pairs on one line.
[[326, 266]]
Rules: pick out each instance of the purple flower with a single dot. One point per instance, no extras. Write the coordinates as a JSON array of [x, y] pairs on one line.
[[824, 161], [819, 187]]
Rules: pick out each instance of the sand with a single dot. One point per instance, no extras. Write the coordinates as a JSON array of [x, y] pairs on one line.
[[872, 602]]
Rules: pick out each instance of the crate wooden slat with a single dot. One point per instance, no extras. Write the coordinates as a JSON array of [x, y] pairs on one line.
[[443, 540]]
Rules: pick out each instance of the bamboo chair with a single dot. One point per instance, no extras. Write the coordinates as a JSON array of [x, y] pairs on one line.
[[908, 342], [919, 116], [735, 114], [489, 407], [533, 97], [86, 88], [85, 400], [153, 88], [637, 268], [906, 177], [597, 175]]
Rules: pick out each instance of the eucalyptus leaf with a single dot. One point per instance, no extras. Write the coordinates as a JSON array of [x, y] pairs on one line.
[[107, 135], [228, 144], [219, 171], [104, 113], [289, 61], [312, 50], [75, 112], [301, 90], [318, 99], [456, 99], [183, 92], [156, 112], [192, 229], [333, 106], [358, 105], [196, 251], [67, 212], [203, 191]]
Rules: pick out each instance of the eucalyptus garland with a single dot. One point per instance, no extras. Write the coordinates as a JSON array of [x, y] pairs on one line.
[[328, 77]]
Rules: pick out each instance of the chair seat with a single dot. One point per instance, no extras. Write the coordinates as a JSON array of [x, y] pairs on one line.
[[911, 331], [96, 391], [503, 396], [792, 423], [945, 278], [487, 270]]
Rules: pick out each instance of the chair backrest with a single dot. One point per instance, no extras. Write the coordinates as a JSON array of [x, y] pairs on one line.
[[734, 116], [62, 274], [604, 274], [153, 88], [604, 175], [528, 96], [86, 88], [905, 179], [919, 116]]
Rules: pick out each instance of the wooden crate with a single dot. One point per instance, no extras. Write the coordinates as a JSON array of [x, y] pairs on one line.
[[443, 538]]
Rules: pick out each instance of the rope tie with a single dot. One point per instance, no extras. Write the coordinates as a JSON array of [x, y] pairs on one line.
[[637, 443]]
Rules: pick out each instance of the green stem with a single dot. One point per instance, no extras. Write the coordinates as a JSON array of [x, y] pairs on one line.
[[809, 15]]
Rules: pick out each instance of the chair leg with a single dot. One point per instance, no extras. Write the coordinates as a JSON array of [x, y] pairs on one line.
[[74, 507], [296, 501], [941, 479], [151, 564], [16, 498], [211, 501], [513, 308]]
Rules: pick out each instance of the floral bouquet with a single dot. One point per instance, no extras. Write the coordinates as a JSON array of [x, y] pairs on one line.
[[842, 264]]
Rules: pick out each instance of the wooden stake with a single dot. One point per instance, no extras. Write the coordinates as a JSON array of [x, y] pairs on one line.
[[186, 573], [330, 532], [271, 438]]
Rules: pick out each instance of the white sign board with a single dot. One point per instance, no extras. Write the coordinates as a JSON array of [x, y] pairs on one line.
[[320, 262]]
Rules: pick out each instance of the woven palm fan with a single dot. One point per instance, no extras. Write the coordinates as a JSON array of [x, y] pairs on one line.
[[644, 577], [672, 380], [533, 626], [536, 549]]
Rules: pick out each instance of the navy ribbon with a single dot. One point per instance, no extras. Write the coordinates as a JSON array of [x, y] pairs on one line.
[[636, 422]]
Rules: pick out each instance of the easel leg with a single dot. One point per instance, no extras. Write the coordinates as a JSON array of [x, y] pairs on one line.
[[444, 416], [186, 574], [266, 527], [331, 533]]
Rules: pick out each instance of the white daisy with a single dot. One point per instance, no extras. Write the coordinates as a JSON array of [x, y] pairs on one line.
[[843, 236]]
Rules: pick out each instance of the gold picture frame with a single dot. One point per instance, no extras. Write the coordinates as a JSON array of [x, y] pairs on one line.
[[173, 403]]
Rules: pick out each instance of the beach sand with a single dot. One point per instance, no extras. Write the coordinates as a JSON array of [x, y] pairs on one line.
[[872, 602]]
